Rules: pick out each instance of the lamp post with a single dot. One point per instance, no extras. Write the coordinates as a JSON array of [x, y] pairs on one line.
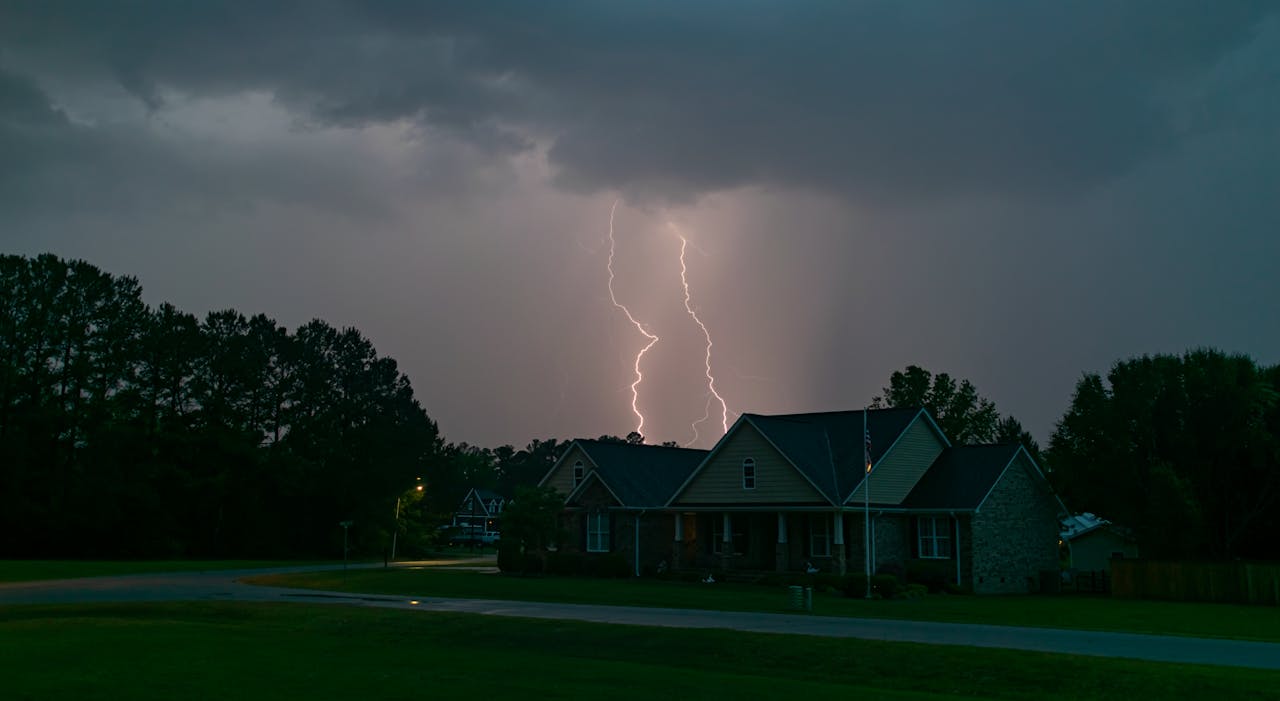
[[395, 530], [346, 525]]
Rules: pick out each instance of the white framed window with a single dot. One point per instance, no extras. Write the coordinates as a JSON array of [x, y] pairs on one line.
[[749, 473], [820, 535], [934, 537], [579, 471], [598, 532]]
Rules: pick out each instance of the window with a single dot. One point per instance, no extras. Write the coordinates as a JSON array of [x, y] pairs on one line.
[[820, 535], [934, 537], [598, 531], [749, 473], [578, 473]]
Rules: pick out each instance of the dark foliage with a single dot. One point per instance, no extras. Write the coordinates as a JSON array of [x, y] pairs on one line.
[[1184, 450], [127, 431]]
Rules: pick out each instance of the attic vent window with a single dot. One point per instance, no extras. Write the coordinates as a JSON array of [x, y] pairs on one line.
[[749, 473], [578, 473]]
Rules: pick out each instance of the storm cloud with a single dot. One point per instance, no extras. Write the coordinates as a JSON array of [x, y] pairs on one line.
[[1013, 192]]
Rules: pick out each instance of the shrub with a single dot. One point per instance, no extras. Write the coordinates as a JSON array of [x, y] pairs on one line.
[[855, 586], [894, 569], [509, 557], [613, 566], [885, 585], [934, 574], [824, 580], [564, 563], [914, 591]]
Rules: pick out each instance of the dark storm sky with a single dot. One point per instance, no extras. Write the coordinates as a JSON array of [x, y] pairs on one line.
[[1012, 192]]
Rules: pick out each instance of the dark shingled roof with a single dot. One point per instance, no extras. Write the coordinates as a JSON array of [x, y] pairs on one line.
[[642, 475], [961, 477], [827, 446]]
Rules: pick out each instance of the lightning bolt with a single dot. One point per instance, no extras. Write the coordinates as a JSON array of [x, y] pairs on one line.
[[688, 306], [635, 391]]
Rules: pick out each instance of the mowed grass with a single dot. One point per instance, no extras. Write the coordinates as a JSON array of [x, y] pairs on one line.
[[316, 652], [34, 570], [1088, 613]]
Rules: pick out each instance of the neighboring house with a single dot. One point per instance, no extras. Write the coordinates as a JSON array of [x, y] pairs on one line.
[[478, 516], [616, 497], [1093, 542], [786, 492]]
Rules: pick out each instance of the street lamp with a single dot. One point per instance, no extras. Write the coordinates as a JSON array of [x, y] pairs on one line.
[[346, 525], [395, 530]]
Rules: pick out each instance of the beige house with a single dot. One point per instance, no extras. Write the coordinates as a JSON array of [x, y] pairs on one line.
[[791, 492]]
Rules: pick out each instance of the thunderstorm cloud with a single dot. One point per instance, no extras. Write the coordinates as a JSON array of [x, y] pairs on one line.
[[1014, 192]]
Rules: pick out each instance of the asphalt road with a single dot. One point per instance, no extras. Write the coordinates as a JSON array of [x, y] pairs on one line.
[[223, 586]]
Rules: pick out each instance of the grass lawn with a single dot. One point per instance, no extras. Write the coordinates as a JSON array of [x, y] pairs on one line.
[[32, 570], [274, 651], [1204, 620]]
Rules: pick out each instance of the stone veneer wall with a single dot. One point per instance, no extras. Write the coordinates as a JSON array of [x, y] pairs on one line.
[[1015, 534], [891, 547]]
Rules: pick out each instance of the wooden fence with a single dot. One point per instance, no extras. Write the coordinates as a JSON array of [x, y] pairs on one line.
[[1225, 582]]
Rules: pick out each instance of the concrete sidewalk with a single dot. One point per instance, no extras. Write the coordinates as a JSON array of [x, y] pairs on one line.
[[223, 586]]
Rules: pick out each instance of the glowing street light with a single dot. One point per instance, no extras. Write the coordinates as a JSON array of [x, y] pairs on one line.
[[395, 530]]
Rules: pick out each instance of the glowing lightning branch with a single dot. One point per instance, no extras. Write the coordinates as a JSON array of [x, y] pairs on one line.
[[711, 380], [635, 392]]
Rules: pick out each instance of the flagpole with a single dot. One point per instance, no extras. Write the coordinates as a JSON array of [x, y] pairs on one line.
[[866, 499]]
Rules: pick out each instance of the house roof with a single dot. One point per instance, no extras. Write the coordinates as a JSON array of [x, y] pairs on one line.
[[827, 447], [641, 475], [483, 498], [961, 477]]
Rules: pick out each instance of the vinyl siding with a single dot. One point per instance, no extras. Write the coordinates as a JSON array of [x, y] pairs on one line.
[[906, 463], [561, 476], [720, 480]]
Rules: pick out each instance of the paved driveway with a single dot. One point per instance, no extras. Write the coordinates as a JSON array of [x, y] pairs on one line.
[[223, 586]]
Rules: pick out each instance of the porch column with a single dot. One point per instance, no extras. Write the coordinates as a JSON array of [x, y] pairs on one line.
[[781, 551], [726, 540], [677, 546], [837, 548], [958, 583]]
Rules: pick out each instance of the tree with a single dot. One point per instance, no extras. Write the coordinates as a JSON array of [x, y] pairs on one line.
[[531, 524], [962, 415], [1010, 430], [132, 431], [1184, 449]]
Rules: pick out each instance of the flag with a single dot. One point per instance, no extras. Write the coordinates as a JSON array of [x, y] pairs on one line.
[[866, 449]]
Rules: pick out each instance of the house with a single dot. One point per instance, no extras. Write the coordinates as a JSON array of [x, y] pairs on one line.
[[617, 495], [1093, 542], [791, 492], [478, 516]]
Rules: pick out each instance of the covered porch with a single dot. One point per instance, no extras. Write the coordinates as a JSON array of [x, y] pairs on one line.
[[782, 540]]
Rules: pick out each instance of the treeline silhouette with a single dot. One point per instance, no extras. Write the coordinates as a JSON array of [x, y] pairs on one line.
[[132, 431]]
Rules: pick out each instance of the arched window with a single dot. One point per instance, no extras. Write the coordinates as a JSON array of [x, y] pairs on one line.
[[749, 473], [579, 471]]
